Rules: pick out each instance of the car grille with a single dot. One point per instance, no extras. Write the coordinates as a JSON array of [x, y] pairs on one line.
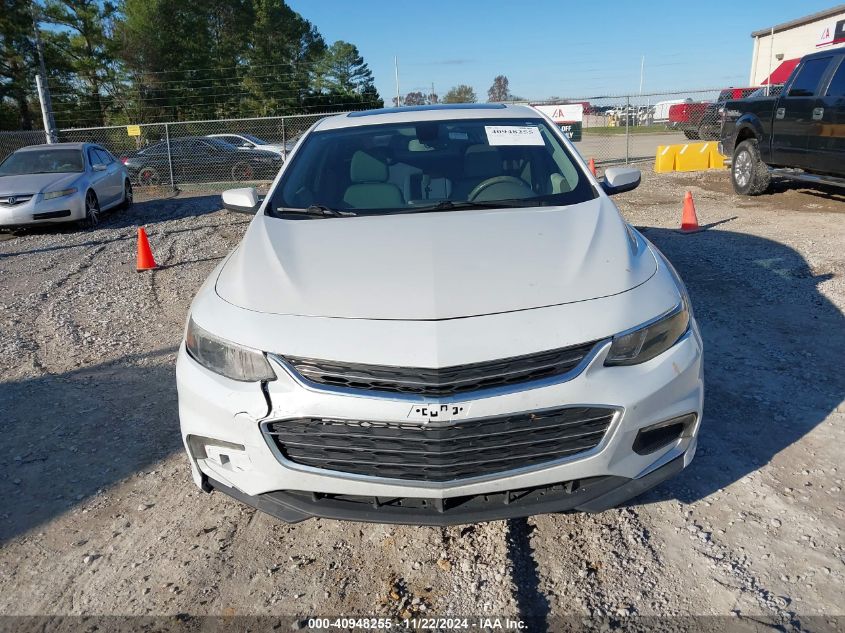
[[11, 200], [440, 452], [446, 381]]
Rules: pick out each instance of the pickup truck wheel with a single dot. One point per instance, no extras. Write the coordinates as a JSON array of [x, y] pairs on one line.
[[691, 134], [749, 174]]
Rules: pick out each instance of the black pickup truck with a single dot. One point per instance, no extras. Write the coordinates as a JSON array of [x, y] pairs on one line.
[[799, 133]]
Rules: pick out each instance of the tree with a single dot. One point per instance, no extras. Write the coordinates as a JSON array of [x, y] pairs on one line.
[[17, 63], [499, 91], [283, 55], [460, 94], [415, 98], [342, 70], [84, 42]]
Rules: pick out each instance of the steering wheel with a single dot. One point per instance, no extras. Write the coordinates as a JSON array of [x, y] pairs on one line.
[[499, 180]]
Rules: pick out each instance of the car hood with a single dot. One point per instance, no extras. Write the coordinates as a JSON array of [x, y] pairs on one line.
[[35, 183], [432, 266]]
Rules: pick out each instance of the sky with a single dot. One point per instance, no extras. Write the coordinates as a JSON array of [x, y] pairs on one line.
[[547, 48]]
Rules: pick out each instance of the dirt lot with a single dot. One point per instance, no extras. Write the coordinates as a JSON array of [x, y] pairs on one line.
[[100, 515]]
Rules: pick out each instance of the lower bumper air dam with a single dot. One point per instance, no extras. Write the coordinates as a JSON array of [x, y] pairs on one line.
[[595, 494]]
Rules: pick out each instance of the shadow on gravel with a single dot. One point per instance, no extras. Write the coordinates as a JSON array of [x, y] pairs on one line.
[[67, 436], [828, 192], [146, 213], [773, 353], [530, 600]]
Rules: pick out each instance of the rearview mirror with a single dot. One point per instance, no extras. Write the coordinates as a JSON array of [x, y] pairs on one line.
[[620, 179], [243, 200], [98, 167]]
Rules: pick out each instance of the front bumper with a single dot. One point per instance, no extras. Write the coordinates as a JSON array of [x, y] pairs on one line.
[[39, 211], [595, 495], [254, 472]]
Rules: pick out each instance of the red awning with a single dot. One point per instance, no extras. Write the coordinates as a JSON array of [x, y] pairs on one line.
[[782, 72]]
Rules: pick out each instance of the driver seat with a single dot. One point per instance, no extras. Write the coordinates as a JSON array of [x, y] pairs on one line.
[[370, 188], [481, 162]]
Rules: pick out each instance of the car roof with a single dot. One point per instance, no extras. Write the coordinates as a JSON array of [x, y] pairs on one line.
[[825, 53], [44, 146], [439, 112]]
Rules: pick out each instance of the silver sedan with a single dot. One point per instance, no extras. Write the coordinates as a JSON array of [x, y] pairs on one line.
[[62, 182]]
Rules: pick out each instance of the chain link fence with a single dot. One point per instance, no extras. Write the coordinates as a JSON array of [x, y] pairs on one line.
[[614, 129]]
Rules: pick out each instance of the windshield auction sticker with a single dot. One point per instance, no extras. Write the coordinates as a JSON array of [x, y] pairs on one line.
[[513, 135]]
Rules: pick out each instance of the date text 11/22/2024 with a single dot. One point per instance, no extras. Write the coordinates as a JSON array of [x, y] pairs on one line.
[[417, 623]]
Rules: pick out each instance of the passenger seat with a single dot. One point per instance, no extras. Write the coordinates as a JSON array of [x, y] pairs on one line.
[[369, 188]]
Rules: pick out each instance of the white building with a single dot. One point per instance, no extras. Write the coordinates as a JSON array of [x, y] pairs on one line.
[[778, 49]]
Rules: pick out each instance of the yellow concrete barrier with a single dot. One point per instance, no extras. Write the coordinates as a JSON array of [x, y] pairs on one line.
[[688, 157], [717, 160], [665, 159], [693, 157]]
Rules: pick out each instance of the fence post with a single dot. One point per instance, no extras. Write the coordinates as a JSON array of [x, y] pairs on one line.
[[627, 122], [284, 140], [169, 156]]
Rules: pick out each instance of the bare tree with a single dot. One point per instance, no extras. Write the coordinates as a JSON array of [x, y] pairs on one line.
[[415, 98], [499, 91]]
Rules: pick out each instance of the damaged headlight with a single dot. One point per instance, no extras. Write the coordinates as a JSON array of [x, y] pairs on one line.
[[226, 358]]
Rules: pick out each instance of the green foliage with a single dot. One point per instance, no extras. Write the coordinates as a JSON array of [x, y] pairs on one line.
[[460, 94], [168, 60], [17, 63]]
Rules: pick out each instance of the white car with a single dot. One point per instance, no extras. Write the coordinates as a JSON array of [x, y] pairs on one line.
[[250, 142], [62, 182], [438, 316]]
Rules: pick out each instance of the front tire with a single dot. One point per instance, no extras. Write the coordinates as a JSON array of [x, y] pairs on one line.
[[691, 134], [128, 196], [749, 174], [242, 171], [92, 212]]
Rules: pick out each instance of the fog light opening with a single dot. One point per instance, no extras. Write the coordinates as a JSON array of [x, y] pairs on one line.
[[662, 434], [226, 455]]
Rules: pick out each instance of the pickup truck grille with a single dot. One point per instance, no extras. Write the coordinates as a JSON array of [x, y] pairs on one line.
[[444, 452], [446, 381]]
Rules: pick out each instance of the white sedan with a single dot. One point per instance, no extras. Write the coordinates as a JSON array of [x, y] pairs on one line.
[[62, 182], [439, 316], [250, 142]]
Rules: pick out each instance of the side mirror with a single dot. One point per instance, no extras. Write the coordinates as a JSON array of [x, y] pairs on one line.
[[620, 179], [243, 200], [98, 167]]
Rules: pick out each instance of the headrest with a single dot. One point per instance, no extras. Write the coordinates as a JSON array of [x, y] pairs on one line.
[[366, 168], [482, 161]]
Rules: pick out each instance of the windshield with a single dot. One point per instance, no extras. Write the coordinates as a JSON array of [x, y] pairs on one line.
[[46, 161], [432, 165]]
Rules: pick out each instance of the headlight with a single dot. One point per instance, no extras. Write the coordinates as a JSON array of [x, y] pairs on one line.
[[649, 340], [225, 358], [59, 194]]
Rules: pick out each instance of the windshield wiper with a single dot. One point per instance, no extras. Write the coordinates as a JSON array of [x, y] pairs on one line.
[[315, 210], [448, 205]]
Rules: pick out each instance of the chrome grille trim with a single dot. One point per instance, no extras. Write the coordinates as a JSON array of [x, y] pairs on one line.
[[19, 198], [425, 384]]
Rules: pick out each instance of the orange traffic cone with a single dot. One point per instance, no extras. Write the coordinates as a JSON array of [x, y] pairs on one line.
[[689, 221], [592, 166], [146, 261]]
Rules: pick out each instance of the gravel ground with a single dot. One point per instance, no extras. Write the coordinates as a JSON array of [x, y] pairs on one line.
[[101, 516]]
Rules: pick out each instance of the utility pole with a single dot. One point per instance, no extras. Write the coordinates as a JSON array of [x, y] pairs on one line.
[[396, 71], [41, 84], [642, 69]]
